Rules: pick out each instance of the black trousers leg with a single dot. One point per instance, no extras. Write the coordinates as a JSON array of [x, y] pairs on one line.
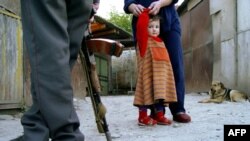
[[50, 28], [172, 40]]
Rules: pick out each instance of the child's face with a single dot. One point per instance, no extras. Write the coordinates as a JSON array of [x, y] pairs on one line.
[[154, 28]]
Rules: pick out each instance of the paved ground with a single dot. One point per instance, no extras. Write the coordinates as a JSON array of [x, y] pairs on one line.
[[207, 123]]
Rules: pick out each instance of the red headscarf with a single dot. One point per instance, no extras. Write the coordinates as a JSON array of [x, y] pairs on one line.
[[142, 31]]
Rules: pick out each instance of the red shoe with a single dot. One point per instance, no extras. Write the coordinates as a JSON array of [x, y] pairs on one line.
[[146, 121], [182, 118], [161, 120]]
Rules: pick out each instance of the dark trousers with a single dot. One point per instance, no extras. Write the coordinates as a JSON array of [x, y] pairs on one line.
[[53, 31], [172, 40]]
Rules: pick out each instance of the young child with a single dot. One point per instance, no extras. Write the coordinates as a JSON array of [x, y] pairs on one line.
[[155, 86]]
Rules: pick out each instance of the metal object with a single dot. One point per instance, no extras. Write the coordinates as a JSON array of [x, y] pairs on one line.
[[94, 89]]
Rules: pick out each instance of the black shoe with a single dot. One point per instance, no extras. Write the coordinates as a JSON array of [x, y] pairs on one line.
[[20, 138]]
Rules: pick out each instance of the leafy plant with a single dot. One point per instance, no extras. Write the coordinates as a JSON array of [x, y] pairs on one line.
[[122, 20]]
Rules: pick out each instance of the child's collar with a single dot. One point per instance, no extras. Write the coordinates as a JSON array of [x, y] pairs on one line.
[[156, 38]]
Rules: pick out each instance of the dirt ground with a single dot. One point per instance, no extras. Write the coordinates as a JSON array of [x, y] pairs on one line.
[[207, 124]]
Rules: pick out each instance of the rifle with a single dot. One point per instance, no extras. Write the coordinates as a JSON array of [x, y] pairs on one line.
[[89, 47]]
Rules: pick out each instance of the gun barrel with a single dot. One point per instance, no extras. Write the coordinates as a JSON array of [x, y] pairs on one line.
[[108, 136]]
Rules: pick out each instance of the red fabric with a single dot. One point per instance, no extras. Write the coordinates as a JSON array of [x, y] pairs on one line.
[[142, 31], [156, 38], [160, 54]]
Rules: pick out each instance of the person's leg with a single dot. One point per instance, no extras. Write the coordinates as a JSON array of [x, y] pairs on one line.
[[36, 127], [78, 23], [172, 40], [33, 123], [173, 43], [144, 119], [45, 25], [159, 115], [78, 12]]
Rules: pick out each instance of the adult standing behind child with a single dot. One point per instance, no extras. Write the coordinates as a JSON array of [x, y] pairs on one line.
[[170, 33]]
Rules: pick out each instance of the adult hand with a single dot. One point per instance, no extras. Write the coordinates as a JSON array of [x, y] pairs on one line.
[[155, 7], [95, 6], [135, 9]]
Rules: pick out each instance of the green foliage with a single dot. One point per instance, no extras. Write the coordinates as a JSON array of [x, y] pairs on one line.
[[121, 20]]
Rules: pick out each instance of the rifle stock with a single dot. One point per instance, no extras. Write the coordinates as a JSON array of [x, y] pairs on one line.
[[105, 46]]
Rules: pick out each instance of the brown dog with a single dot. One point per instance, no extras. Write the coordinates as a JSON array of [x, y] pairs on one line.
[[218, 93]]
